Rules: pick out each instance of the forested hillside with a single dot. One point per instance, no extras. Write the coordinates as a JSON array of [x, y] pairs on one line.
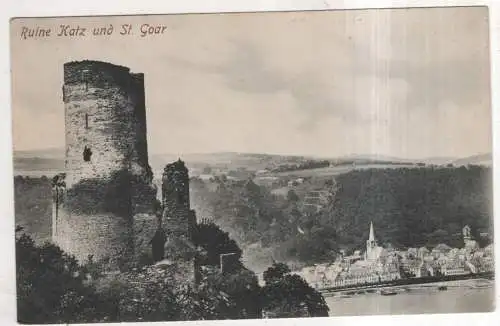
[[409, 207], [33, 206]]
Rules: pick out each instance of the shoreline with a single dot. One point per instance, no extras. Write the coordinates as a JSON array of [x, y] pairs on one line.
[[418, 283], [470, 283]]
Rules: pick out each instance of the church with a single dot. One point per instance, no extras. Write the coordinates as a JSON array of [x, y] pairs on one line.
[[373, 251]]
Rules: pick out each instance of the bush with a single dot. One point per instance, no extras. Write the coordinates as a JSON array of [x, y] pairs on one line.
[[214, 242], [242, 289], [276, 273], [286, 295], [53, 288], [138, 296], [50, 286]]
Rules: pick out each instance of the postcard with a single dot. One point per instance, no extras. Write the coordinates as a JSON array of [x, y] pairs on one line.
[[252, 165]]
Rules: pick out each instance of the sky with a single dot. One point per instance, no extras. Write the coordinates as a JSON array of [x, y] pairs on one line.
[[407, 83]]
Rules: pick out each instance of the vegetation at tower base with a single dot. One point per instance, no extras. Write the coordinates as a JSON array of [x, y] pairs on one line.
[[286, 295], [115, 194], [51, 287], [214, 243], [241, 288], [54, 288]]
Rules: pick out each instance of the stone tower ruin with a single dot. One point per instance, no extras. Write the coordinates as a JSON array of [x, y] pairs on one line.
[[178, 219], [104, 205]]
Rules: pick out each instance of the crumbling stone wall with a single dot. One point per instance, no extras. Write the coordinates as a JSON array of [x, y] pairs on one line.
[[175, 197], [179, 221]]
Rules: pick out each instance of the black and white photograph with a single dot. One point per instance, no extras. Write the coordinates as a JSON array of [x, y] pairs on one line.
[[252, 165]]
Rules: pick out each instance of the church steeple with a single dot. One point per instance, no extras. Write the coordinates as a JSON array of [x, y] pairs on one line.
[[372, 234], [370, 244]]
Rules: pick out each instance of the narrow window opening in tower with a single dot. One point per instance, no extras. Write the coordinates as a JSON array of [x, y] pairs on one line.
[[87, 153], [86, 121]]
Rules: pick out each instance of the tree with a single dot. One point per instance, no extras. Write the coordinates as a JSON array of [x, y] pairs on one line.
[[54, 288], [287, 295], [438, 236], [50, 286], [242, 290], [214, 242], [276, 272]]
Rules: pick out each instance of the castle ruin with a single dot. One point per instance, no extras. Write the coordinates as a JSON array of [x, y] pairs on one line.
[[104, 205]]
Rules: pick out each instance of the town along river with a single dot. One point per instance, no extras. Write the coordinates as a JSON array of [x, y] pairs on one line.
[[466, 296]]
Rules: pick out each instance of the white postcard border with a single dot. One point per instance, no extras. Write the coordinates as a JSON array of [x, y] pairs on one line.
[[33, 8]]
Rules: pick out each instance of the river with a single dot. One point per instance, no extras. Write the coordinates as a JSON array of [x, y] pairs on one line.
[[460, 297]]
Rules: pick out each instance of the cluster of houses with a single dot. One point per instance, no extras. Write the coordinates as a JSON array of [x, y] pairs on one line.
[[379, 264]]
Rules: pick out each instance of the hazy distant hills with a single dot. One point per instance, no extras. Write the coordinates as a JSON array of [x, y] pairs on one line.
[[51, 160], [48, 153], [482, 159]]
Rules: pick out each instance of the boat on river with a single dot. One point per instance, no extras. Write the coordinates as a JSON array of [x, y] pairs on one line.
[[388, 292]]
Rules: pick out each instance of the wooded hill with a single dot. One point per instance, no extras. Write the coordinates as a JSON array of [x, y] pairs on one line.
[[409, 207]]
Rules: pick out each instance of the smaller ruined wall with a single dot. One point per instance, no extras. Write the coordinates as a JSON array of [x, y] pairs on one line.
[[175, 194]]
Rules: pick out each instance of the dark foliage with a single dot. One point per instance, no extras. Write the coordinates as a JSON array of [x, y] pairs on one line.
[[242, 290], [410, 207], [287, 295], [53, 288], [102, 195], [113, 195], [276, 272], [310, 164], [50, 286], [214, 242]]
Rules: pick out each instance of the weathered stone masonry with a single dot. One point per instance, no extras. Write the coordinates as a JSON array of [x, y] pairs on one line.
[[105, 204], [178, 219], [105, 111], [175, 197], [108, 181]]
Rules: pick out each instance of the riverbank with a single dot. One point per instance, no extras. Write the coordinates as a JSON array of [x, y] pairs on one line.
[[411, 281], [460, 296], [477, 283]]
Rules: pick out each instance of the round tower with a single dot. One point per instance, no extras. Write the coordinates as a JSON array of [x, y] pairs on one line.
[[105, 121], [106, 157]]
